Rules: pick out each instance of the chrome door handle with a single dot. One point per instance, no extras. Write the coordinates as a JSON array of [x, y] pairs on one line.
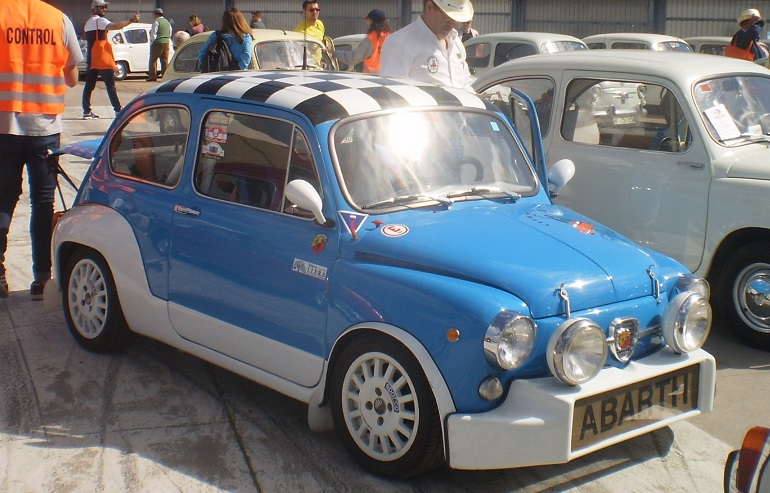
[[188, 211], [692, 164]]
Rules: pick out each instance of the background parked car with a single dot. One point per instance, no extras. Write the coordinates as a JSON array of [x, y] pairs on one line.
[[131, 47], [636, 41], [686, 174], [273, 49], [490, 50], [715, 45], [348, 43]]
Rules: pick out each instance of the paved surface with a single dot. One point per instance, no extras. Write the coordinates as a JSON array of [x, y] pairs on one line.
[[155, 419]]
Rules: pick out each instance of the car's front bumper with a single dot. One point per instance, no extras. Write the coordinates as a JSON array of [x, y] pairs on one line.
[[534, 425]]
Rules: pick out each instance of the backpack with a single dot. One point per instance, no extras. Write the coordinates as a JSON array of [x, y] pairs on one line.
[[218, 57]]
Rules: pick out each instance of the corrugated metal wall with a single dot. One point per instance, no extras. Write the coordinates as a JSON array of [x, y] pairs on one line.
[[681, 18]]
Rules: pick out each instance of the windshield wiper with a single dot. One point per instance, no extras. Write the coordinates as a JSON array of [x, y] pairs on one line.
[[485, 192], [406, 199]]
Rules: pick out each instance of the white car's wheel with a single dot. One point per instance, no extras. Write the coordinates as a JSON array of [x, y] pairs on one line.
[[384, 409], [121, 71], [91, 306], [744, 293]]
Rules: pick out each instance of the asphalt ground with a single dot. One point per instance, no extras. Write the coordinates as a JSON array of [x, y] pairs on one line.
[[155, 419]]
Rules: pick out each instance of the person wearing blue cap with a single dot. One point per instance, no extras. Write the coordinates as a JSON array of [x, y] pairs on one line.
[[368, 52]]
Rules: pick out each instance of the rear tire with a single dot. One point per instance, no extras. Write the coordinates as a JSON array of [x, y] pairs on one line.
[[743, 294], [91, 305], [384, 409], [121, 71]]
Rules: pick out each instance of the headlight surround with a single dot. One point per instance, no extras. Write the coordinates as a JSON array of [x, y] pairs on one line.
[[687, 322], [577, 351], [693, 284], [509, 340]]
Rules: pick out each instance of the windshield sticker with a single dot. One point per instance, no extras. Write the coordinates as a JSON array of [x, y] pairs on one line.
[[213, 149], [319, 243], [705, 87], [495, 127], [723, 123], [216, 133], [309, 269], [394, 230]]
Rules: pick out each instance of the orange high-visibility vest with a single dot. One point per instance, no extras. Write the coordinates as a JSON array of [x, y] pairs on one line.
[[32, 57], [372, 64]]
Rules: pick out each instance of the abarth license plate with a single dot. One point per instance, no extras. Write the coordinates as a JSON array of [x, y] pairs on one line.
[[621, 410]]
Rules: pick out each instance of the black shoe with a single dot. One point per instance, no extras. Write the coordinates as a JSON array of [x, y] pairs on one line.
[[90, 116], [36, 289], [3, 286]]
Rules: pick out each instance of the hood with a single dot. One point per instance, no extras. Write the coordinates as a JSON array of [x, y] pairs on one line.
[[529, 251]]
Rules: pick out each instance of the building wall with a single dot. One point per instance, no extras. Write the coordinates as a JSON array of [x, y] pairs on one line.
[[681, 18]]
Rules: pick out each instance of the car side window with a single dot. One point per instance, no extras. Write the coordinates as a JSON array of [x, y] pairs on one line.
[[539, 89], [186, 59], [626, 114], [510, 51], [117, 39], [629, 45], [137, 36], [596, 46], [142, 150], [244, 159], [477, 55]]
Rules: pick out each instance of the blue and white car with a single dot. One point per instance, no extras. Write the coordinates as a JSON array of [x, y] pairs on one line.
[[387, 252]]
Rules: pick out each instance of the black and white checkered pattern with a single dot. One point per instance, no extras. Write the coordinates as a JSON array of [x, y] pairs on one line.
[[324, 96]]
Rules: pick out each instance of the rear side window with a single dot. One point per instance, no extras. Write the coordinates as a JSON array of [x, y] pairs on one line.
[[186, 58], [630, 45], [477, 55], [144, 149], [511, 51]]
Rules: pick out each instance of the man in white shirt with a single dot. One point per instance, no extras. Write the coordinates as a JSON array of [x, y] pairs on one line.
[[429, 49]]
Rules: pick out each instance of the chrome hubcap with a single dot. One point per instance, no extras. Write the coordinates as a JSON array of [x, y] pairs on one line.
[[751, 295]]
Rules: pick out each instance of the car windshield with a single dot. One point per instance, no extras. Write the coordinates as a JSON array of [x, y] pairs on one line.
[[287, 54], [419, 158], [736, 109], [557, 46]]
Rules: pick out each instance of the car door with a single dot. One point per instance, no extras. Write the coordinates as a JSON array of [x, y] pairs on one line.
[[639, 168], [137, 49], [247, 272]]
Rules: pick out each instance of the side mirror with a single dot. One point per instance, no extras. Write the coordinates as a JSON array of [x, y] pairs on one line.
[[561, 173], [303, 195]]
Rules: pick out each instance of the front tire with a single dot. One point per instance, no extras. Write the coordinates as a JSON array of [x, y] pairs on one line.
[[384, 409], [744, 294], [91, 305]]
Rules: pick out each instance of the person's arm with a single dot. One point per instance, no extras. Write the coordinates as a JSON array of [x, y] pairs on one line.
[[74, 55], [248, 50], [154, 31], [205, 47], [363, 51], [120, 25]]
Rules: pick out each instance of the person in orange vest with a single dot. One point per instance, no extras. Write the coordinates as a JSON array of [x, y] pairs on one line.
[[368, 52], [39, 53]]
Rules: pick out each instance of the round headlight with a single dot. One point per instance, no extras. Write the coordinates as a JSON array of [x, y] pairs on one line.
[[509, 340], [687, 322], [577, 351]]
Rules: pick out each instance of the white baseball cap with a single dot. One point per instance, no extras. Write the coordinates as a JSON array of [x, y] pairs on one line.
[[99, 3], [457, 10]]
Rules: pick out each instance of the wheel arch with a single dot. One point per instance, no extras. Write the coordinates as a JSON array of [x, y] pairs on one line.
[[729, 244], [319, 405]]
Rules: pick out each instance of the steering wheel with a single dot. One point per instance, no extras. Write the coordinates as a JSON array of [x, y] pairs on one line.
[[752, 116], [666, 144], [479, 168]]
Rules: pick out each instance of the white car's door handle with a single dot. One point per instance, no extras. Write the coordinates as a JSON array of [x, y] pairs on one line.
[[691, 164], [188, 211]]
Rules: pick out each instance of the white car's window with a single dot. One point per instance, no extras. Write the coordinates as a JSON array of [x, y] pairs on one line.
[[137, 36], [117, 39], [511, 51], [245, 159], [596, 46], [627, 114], [477, 55], [409, 159], [630, 45], [557, 46], [736, 109], [674, 46], [146, 150]]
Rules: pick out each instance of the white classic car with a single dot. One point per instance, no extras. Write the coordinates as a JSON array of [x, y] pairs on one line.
[[687, 172], [715, 45], [131, 47], [490, 50], [635, 41]]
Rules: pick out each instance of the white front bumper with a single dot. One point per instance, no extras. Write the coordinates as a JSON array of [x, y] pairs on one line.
[[533, 426]]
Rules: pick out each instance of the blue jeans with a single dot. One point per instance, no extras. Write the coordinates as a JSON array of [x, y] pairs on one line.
[[108, 76], [18, 151]]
